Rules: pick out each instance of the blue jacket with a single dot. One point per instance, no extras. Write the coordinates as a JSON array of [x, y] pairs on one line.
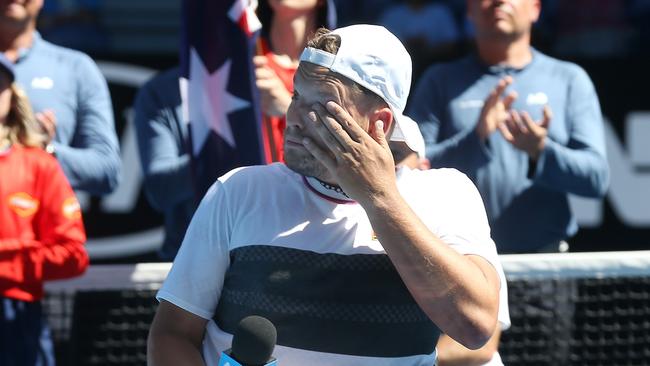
[[164, 155], [70, 84], [526, 203]]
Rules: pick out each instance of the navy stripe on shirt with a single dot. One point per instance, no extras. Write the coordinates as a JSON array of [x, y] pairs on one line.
[[345, 304]]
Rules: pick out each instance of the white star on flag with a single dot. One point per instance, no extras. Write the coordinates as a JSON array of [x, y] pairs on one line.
[[211, 102]]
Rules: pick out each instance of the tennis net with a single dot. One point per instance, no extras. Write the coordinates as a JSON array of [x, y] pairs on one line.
[[566, 309]]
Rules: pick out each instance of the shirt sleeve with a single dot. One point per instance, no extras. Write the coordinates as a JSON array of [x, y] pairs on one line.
[[464, 225], [466, 229], [165, 165], [463, 151], [579, 167], [196, 278], [92, 160], [57, 250], [503, 315]]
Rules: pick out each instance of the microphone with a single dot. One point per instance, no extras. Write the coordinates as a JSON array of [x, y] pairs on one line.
[[252, 344]]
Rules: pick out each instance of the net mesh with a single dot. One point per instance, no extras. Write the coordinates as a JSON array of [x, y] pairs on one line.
[[103, 317], [566, 309], [578, 309]]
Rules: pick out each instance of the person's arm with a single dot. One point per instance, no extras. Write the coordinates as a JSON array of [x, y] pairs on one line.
[[466, 150], [579, 167], [92, 160], [452, 353], [191, 291], [458, 292], [175, 337], [57, 250], [166, 167]]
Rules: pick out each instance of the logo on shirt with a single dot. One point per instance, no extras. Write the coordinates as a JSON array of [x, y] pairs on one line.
[[42, 83], [539, 98], [71, 208], [22, 204]]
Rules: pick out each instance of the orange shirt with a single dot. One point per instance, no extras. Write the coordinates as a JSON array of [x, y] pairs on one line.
[[273, 142], [41, 231]]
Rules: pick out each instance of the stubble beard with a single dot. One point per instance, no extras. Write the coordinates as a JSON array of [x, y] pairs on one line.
[[302, 162]]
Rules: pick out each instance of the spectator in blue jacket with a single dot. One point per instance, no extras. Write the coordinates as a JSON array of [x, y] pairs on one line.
[[528, 130], [525, 127], [164, 154], [69, 96]]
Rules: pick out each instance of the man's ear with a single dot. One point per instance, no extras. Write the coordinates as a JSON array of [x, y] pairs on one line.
[[535, 11], [385, 115]]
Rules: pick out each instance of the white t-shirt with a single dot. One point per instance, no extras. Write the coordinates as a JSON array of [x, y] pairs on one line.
[[272, 206]]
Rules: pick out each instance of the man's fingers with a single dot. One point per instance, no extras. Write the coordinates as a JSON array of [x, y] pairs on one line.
[[547, 115], [334, 125], [505, 132], [354, 131], [492, 98], [320, 154], [528, 122], [503, 84], [264, 73], [260, 61], [513, 124], [47, 122], [498, 90], [509, 99], [265, 84], [326, 130], [380, 135]]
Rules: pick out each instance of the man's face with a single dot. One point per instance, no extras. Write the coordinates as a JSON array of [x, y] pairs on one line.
[[314, 85], [503, 17], [19, 11]]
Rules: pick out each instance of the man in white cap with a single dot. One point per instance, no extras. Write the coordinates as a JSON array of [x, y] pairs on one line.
[[352, 267]]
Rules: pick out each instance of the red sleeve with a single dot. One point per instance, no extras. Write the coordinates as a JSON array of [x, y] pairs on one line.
[[57, 249]]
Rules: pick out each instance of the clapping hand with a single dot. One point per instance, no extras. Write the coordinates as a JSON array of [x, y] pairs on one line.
[[495, 109], [525, 134], [47, 120]]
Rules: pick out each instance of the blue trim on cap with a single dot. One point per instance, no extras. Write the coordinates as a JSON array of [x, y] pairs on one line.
[[318, 57]]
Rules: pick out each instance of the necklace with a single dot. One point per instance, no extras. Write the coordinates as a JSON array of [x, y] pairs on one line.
[[334, 188]]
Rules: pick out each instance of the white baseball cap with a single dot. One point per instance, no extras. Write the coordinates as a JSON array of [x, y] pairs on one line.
[[374, 58]]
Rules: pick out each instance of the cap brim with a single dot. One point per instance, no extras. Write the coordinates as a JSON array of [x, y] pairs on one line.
[[405, 130]]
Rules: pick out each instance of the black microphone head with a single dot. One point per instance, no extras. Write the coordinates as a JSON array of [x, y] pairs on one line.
[[253, 341]]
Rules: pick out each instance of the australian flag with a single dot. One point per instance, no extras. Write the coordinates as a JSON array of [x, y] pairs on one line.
[[220, 98]]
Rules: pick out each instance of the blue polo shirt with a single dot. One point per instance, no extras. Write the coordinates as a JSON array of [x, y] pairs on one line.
[[526, 202], [70, 84]]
